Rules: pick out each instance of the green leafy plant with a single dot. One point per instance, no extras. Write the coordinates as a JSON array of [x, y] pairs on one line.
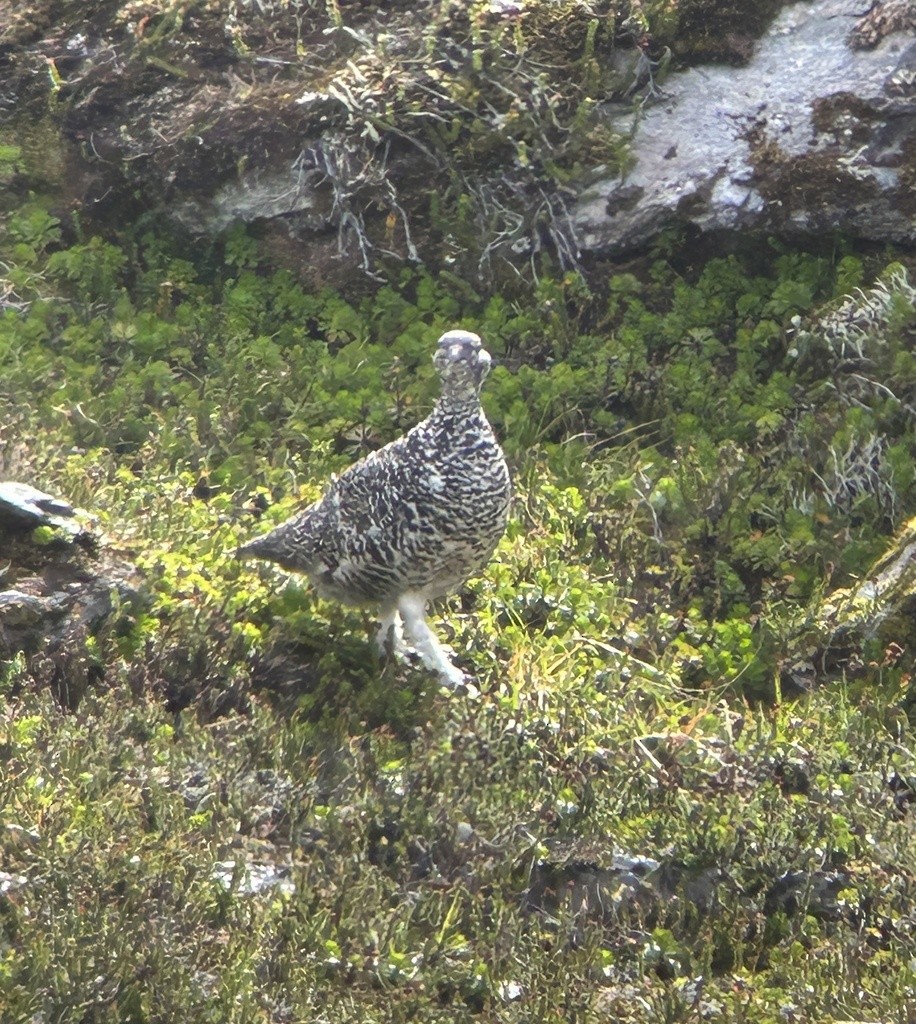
[[294, 829]]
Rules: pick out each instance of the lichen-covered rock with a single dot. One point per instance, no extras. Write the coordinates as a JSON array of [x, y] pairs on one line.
[[329, 123], [326, 124], [811, 136], [326, 127], [58, 592], [880, 20], [887, 592], [877, 607]]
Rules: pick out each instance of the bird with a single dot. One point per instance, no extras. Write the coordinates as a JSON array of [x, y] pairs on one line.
[[410, 522]]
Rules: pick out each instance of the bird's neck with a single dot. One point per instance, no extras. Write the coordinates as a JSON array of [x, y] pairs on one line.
[[460, 403]]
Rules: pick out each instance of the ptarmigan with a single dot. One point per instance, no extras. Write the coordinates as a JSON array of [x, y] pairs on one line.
[[413, 520]]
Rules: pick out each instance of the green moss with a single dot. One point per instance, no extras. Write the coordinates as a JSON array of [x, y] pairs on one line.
[[711, 30]]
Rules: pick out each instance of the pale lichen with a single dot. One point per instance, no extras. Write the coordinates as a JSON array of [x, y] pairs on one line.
[[857, 326]]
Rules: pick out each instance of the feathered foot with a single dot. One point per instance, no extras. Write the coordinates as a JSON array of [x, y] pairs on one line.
[[390, 636], [412, 609]]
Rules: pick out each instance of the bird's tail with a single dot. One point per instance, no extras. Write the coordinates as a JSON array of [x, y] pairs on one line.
[[287, 545], [260, 547]]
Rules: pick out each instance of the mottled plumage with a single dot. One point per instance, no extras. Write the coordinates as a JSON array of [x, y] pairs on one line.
[[410, 522]]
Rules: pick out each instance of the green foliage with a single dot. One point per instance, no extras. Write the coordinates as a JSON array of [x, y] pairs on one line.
[[292, 830], [10, 161], [93, 270], [285, 877], [29, 232]]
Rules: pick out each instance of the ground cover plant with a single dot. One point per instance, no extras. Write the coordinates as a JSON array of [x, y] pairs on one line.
[[647, 815]]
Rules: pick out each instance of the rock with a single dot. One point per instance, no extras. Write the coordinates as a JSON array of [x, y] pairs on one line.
[[880, 20], [600, 887], [11, 884], [814, 134], [252, 879], [47, 610], [879, 605], [58, 596], [811, 892], [208, 115], [22, 612], [25, 507], [886, 593]]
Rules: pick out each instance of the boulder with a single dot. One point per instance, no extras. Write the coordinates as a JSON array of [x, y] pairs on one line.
[[815, 134], [885, 594]]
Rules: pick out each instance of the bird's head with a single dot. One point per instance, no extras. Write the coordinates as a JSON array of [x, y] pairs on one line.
[[461, 362]]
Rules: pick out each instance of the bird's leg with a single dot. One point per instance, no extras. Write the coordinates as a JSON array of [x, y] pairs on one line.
[[413, 612], [390, 636]]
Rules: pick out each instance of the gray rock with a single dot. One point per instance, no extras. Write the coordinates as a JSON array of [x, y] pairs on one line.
[[25, 612], [810, 136], [57, 596], [25, 507], [59, 607], [815, 133], [300, 188]]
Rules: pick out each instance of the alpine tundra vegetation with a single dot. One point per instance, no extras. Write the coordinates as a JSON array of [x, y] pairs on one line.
[[685, 790]]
